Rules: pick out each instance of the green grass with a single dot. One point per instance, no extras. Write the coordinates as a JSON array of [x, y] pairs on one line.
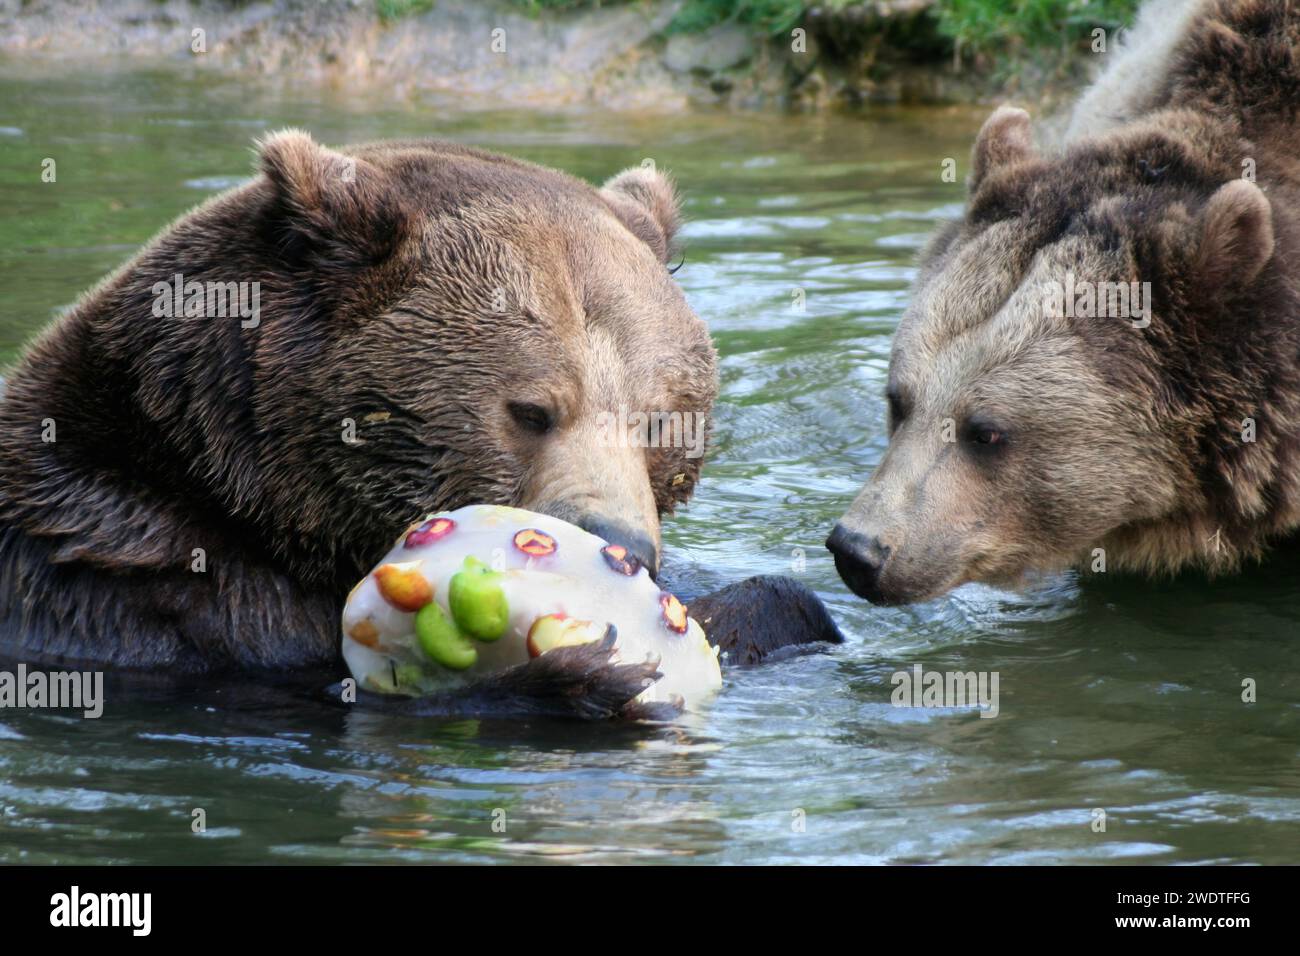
[[1004, 33], [769, 17], [541, 6], [395, 9], [1009, 29], [764, 16]]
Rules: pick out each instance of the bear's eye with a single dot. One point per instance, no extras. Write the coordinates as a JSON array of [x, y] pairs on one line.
[[897, 409], [530, 417], [985, 434]]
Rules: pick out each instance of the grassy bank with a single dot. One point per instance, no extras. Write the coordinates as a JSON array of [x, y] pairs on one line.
[[1007, 35], [874, 49], [623, 54], [1000, 36]]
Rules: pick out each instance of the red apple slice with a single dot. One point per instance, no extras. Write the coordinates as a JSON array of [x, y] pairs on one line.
[[403, 586]]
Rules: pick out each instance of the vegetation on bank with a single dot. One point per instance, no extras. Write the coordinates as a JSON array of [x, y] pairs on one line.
[[1001, 38], [996, 33], [1006, 32], [392, 9], [864, 50]]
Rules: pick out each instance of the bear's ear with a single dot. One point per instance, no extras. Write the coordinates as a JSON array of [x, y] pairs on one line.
[[1236, 236], [1004, 138], [332, 200], [646, 202]]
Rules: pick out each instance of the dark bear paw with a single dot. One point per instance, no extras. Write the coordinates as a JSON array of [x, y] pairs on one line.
[[583, 681], [752, 620]]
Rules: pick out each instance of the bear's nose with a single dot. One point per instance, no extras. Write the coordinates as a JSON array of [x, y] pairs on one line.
[[638, 544], [859, 559]]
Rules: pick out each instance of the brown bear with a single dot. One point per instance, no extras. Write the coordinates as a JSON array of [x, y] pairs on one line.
[[200, 458], [1100, 363]]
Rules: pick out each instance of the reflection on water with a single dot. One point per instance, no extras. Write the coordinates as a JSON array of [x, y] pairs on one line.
[[1122, 695]]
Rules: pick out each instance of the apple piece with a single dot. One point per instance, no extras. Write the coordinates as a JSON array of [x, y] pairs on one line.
[[620, 559], [556, 630], [365, 632], [534, 543], [477, 602], [427, 532], [674, 612], [409, 675], [442, 640], [403, 586]]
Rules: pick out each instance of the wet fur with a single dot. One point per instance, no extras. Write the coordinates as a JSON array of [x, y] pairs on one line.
[[175, 435], [1220, 352], [1131, 440]]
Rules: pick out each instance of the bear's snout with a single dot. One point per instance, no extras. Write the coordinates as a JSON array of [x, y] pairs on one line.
[[859, 559]]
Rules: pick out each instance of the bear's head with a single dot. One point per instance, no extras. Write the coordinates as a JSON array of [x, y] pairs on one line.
[[1070, 382], [442, 326]]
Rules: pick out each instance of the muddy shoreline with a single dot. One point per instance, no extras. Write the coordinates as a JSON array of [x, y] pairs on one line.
[[486, 53]]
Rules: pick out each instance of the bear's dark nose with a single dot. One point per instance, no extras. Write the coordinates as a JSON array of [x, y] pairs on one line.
[[858, 559], [638, 544]]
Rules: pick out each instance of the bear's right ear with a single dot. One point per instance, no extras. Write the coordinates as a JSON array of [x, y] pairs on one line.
[[1236, 236], [1004, 138], [336, 202], [646, 202]]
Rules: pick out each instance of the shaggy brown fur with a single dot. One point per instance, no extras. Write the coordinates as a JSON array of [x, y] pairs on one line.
[[469, 313], [1070, 434]]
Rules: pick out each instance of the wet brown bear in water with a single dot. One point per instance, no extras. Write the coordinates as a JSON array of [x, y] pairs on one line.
[[1101, 361], [435, 326]]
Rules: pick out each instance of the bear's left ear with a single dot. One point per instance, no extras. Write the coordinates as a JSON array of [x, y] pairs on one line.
[[1236, 236], [340, 203], [646, 202], [1004, 138]]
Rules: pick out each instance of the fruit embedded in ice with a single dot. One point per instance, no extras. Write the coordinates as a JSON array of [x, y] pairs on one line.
[[429, 531], [674, 612], [468, 594], [403, 586], [534, 543], [477, 602], [364, 632], [620, 559], [442, 640], [555, 630]]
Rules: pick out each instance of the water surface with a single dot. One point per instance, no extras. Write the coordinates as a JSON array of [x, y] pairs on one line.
[[1123, 696]]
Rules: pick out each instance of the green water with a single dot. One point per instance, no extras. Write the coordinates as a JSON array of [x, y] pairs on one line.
[[1123, 697]]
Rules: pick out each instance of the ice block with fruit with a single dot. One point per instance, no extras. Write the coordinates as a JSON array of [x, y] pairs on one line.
[[474, 591]]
